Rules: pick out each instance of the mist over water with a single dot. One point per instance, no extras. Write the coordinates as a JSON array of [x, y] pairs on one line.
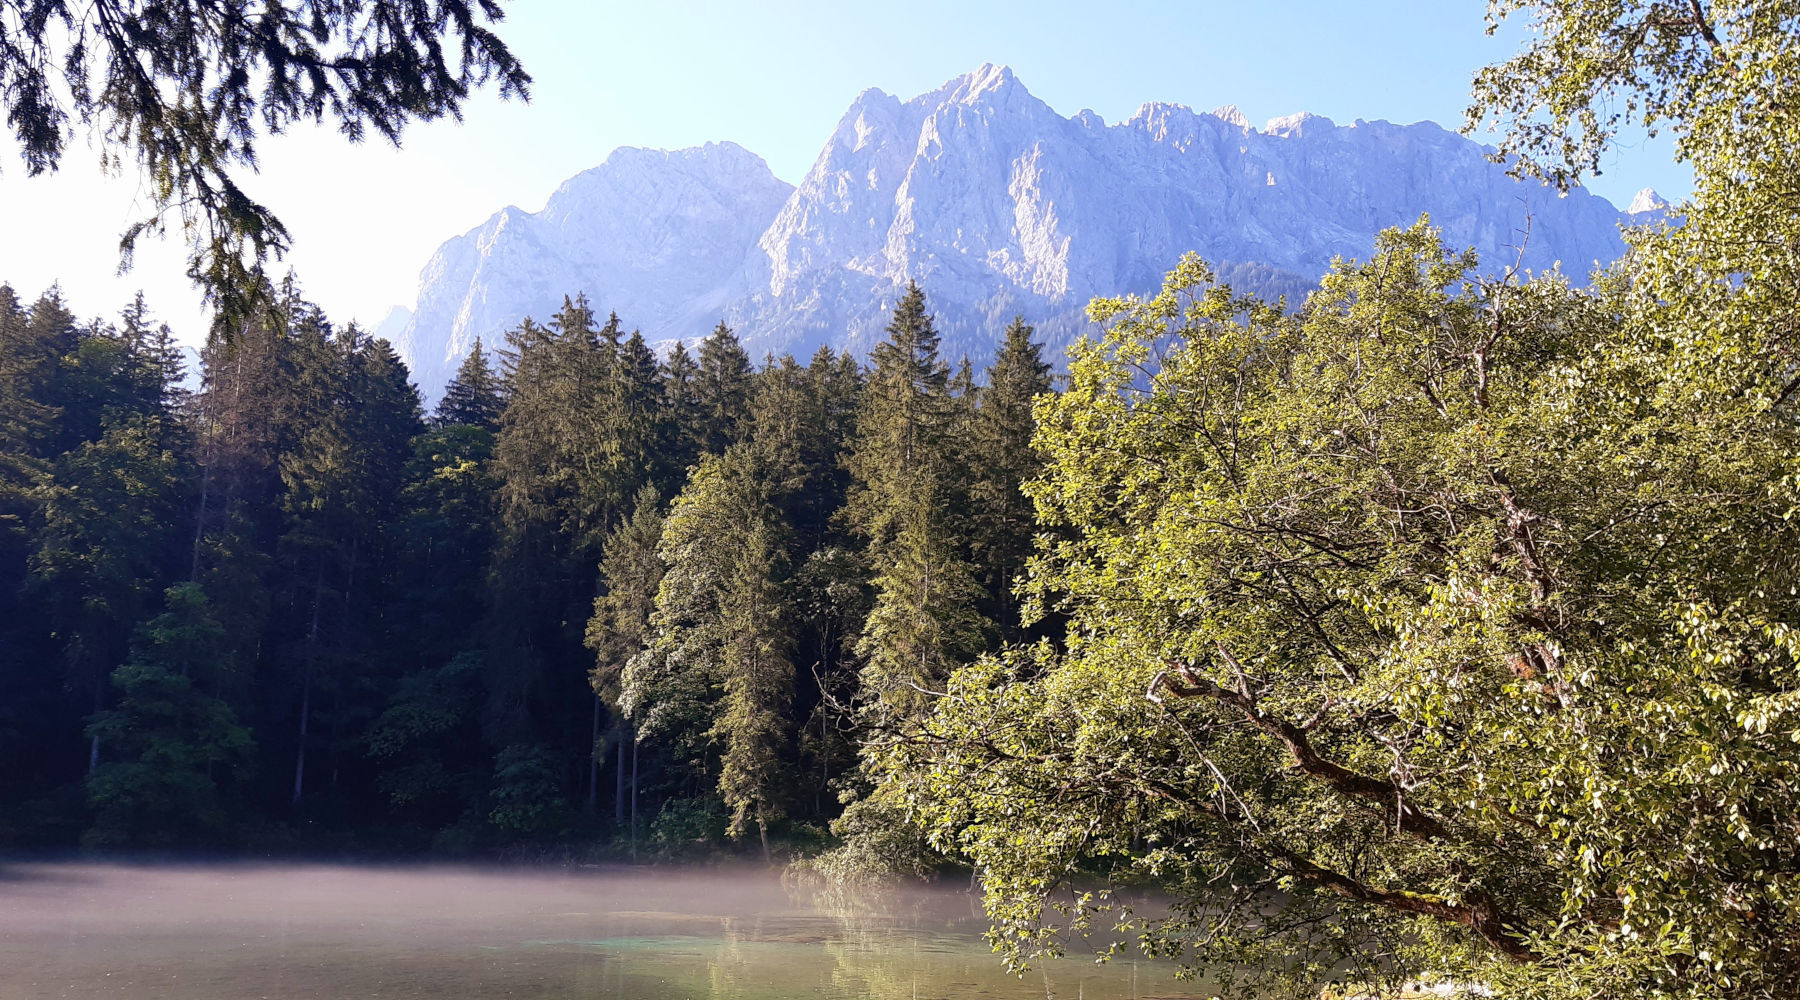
[[305, 932]]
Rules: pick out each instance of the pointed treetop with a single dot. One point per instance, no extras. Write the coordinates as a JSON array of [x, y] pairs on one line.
[[475, 396]]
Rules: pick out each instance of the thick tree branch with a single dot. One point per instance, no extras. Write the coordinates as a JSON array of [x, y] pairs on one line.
[[1478, 912], [1705, 27], [1384, 795]]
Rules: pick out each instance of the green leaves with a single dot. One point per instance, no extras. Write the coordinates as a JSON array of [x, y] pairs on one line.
[[173, 749], [1450, 599]]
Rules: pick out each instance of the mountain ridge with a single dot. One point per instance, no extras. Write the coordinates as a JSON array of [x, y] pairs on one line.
[[995, 204]]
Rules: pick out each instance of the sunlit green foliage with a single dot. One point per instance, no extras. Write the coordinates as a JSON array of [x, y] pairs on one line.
[[1444, 627]]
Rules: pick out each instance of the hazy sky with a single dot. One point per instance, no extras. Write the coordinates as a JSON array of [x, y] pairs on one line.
[[773, 77]]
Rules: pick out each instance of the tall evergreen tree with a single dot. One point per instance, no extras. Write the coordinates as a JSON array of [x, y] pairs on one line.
[[686, 427], [111, 515], [830, 584], [568, 467], [902, 463], [315, 556], [32, 345], [1001, 460], [758, 684], [724, 389], [714, 684], [902, 423], [106, 510], [926, 619], [476, 396], [637, 429]]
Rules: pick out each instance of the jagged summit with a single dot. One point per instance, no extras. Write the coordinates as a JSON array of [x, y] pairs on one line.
[[995, 203], [986, 79], [1647, 200], [1230, 115], [650, 233], [1288, 126]]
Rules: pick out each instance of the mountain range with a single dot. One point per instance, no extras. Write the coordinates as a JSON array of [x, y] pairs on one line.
[[996, 204]]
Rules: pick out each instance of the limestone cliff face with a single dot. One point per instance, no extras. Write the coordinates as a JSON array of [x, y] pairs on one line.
[[653, 235], [994, 203]]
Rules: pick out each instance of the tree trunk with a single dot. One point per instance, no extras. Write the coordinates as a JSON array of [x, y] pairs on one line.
[[300, 754], [594, 760], [619, 780], [200, 522], [94, 743], [634, 793], [312, 655]]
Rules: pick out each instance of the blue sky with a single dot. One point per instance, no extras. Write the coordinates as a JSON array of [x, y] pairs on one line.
[[773, 77]]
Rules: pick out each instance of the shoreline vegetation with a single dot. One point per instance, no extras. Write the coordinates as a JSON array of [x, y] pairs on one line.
[[1439, 627]]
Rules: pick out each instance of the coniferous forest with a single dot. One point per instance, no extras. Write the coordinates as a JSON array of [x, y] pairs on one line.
[[275, 605]]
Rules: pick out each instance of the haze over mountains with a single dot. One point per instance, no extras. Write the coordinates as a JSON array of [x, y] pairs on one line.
[[995, 204]]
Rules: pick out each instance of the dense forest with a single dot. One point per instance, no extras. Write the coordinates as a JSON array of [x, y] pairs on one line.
[[597, 596]]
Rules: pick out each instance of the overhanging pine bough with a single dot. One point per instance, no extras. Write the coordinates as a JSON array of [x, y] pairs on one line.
[[186, 88]]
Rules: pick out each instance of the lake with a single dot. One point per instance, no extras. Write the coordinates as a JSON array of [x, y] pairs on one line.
[[306, 932]]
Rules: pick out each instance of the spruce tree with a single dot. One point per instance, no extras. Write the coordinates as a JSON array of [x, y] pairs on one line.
[[926, 619], [903, 420], [723, 388], [475, 396], [315, 556], [903, 464], [637, 430], [685, 427], [445, 534], [109, 532], [33, 344], [758, 681], [1002, 459], [830, 583], [716, 680], [243, 417]]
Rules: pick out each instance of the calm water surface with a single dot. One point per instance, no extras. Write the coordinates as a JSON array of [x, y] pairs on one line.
[[310, 933]]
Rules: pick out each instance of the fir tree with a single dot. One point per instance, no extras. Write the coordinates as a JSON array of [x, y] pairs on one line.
[[476, 396], [110, 529], [686, 427], [925, 621], [637, 429], [1001, 460], [723, 388], [758, 682], [903, 420], [903, 464], [717, 680]]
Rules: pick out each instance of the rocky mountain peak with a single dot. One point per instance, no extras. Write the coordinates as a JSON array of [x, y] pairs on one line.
[[1230, 115], [1647, 200], [1289, 126], [996, 204]]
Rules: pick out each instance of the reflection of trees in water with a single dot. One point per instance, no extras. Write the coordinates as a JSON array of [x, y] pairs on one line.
[[895, 944], [726, 969], [880, 945]]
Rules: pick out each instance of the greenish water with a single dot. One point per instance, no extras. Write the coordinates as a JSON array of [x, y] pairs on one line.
[[316, 932]]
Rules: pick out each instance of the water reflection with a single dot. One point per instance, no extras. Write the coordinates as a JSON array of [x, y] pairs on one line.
[[302, 933]]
